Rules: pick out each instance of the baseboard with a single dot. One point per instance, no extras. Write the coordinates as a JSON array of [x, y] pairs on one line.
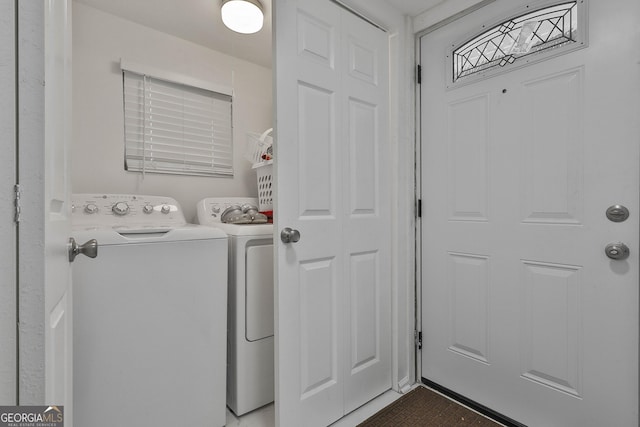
[[488, 412], [404, 385]]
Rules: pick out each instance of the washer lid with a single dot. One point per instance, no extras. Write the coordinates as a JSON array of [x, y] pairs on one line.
[[125, 235]]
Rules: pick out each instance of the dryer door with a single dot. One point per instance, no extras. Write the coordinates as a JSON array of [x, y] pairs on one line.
[[259, 289]]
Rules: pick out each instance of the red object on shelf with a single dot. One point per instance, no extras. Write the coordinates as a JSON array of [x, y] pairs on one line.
[[269, 215]]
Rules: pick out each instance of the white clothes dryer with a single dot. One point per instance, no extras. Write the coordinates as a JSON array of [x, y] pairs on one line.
[[250, 352], [149, 315]]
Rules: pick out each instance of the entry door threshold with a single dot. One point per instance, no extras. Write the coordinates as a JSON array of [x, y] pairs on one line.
[[487, 412]]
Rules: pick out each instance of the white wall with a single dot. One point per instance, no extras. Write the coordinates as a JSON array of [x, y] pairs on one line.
[[445, 11], [97, 159]]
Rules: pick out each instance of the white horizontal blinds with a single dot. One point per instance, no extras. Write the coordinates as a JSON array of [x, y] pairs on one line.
[[176, 128]]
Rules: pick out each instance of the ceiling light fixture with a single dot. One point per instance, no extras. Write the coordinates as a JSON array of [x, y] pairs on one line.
[[242, 16]]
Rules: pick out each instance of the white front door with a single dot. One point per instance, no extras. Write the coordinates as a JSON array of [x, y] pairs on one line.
[[522, 310], [333, 290], [58, 302]]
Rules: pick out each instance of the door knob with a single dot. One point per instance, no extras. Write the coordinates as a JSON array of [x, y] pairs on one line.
[[617, 251], [288, 235], [90, 249]]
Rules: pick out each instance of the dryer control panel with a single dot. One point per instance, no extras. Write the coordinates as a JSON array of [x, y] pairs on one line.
[[125, 211], [210, 210]]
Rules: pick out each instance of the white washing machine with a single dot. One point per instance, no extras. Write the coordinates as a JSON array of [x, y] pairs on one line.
[[149, 315], [250, 357]]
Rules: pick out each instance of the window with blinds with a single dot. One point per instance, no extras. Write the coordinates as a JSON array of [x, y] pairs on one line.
[[175, 128]]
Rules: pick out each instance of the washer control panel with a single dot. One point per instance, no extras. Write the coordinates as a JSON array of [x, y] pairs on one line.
[[210, 210], [125, 211]]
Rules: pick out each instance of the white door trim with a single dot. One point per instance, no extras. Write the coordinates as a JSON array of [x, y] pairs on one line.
[[8, 302], [31, 254]]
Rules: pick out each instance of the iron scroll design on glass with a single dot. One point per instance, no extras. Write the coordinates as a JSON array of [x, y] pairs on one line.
[[505, 43]]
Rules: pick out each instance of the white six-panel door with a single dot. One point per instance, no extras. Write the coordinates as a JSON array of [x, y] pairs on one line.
[[333, 292], [522, 310]]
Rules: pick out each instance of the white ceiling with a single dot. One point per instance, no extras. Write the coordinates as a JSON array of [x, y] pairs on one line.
[[413, 7], [199, 21]]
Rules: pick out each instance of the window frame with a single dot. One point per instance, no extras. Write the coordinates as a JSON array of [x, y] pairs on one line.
[[581, 37]]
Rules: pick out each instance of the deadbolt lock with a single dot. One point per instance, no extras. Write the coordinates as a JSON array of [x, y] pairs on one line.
[[617, 213]]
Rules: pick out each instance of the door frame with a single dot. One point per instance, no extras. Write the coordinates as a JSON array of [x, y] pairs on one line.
[[23, 286], [35, 354], [8, 227], [31, 230]]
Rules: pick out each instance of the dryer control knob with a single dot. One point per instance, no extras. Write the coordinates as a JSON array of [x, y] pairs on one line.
[[165, 209], [147, 209], [120, 208], [91, 208]]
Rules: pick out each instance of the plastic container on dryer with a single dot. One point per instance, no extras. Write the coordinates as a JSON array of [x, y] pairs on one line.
[[264, 172], [259, 151]]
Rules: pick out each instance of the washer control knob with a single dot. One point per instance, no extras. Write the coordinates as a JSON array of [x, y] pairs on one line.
[[165, 209], [91, 208], [120, 208], [147, 209], [216, 209]]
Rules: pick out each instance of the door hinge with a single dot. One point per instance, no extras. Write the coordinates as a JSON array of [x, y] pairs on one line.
[[418, 73], [16, 201], [418, 339], [419, 208]]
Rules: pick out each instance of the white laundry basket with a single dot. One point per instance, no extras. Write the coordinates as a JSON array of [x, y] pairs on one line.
[[264, 171]]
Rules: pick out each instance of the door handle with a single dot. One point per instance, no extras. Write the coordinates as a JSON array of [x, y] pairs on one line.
[[289, 235], [89, 248]]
